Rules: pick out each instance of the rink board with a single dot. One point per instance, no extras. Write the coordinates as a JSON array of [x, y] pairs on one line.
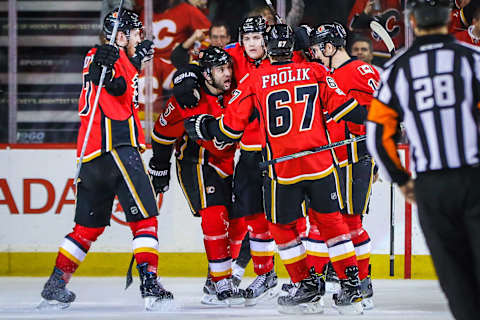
[[37, 208]]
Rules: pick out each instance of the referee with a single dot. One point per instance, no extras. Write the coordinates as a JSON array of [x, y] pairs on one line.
[[434, 88]]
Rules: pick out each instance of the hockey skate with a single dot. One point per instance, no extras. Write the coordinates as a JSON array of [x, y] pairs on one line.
[[55, 295], [348, 300], [331, 279], [228, 294], [210, 293], [262, 288], [367, 293], [305, 297], [156, 298]]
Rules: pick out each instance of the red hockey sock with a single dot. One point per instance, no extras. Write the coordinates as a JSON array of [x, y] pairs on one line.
[[237, 228], [337, 237], [215, 239], [317, 251], [301, 225], [262, 246], [74, 248], [145, 242], [361, 242], [291, 250]]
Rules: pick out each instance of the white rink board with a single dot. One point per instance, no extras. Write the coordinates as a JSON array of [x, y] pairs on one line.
[[178, 230]]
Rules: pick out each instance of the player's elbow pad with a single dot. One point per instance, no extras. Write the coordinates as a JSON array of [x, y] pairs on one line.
[[116, 87], [358, 115]]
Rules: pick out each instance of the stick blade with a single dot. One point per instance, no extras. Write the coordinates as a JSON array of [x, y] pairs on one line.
[[383, 34]]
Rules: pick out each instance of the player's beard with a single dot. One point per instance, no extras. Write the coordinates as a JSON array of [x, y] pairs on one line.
[[221, 86]]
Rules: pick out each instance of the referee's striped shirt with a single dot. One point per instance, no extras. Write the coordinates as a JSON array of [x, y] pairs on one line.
[[434, 88]]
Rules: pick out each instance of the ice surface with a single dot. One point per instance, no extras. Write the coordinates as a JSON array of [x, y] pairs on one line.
[[105, 298]]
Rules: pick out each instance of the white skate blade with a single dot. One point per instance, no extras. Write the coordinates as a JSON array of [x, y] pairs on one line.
[[266, 296], [316, 307], [212, 300], [235, 301], [352, 309], [332, 287], [52, 305], [161, 305], [368, 304]]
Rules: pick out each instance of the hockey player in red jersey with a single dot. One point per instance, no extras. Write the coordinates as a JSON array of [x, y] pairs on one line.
[[360, 80], [289, 98], [204, 170], [249, 54], [112, 164]]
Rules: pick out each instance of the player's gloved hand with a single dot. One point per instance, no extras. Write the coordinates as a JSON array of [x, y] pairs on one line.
[[301, 35], [197, 126], [160, 175], [106, 55], [186, 88], [143, 53]]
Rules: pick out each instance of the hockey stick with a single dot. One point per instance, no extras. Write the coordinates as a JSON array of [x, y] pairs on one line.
[[383, 34], [263, 165], [274, 12], [97, 97]]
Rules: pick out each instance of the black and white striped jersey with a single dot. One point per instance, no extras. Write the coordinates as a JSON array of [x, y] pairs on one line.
[[434, 88]]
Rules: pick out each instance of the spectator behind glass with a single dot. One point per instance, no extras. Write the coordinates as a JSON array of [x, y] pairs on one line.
[[219, 34], [389, 13], [187, 51], [175, 23], [472, 34], [362, 48]]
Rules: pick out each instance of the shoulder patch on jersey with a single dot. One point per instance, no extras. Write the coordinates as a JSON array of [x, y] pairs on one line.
[[231, 45], [331, 82], [162, 120], [365, 69], [235, 94]]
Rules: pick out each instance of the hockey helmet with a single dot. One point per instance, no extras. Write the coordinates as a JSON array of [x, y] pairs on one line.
[[280, 40], [251, 25], [213, 57], [128, 20], [430, 13], [333, 33]]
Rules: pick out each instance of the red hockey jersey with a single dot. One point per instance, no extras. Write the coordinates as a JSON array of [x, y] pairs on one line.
[[390, 13], [169, 129], [242, 66], [116, 121], [175, 25], [290, 98], [360, 80]]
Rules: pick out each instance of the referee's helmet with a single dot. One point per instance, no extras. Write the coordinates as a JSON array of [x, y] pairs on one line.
[[430, 13]]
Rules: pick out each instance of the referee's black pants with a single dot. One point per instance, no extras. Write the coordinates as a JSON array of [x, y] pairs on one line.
[[449, 213]]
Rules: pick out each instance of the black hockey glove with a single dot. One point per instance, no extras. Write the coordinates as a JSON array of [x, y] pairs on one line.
[[143, 53], [197, 126], [106, 55], [160, 175], [186, 88]]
